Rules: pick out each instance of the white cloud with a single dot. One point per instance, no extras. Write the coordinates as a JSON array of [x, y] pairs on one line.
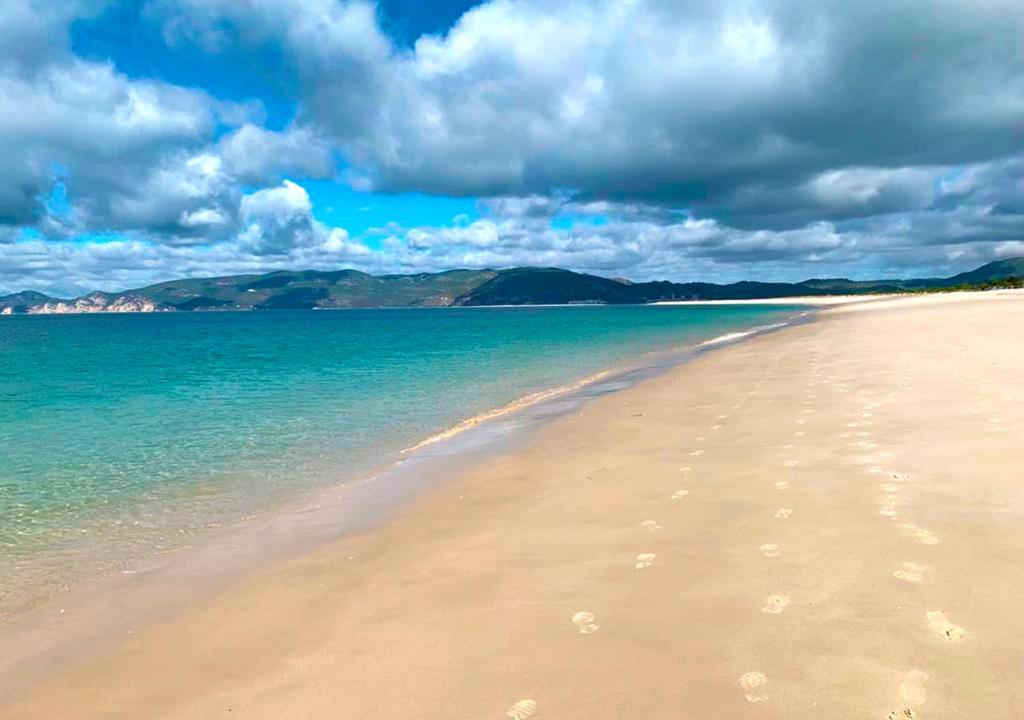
[[80, 120], [279, 221], [254, 155], [202, 218]]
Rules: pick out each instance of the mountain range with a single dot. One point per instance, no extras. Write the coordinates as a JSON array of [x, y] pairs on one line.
[[310, 289]]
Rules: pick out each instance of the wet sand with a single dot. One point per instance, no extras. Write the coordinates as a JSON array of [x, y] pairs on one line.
[[820, 522]]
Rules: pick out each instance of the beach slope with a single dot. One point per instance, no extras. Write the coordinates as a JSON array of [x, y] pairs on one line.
[[826, 521]]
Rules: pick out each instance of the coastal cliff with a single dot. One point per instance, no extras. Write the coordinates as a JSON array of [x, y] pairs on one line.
[[96, 303]]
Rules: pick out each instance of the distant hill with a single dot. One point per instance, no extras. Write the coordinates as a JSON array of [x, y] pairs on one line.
[[998, 270], [22, 301], [315, 289], [517, 286]]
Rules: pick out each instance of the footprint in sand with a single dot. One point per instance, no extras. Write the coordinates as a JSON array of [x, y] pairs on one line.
[[650, 525], [913, 690], [644, 560], [910, 572], [791, 463], [925, 537], [939, 623], [782, 485], [679, 494], [770, 550], [753, 685], [585, 622], [775, 604], [783, 513], [522, 710], [889, 503]]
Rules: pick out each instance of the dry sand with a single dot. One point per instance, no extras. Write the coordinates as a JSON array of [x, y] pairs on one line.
[[826, 522]]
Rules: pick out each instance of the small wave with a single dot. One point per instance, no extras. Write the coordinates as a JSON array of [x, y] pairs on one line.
[[523, 402], [540, 396], [728, 337]]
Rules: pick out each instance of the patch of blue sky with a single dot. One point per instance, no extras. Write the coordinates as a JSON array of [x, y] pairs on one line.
[[567, 221], [338, 205], [406, 20], [100, 238], [56, 200], [123, 36], [30, 234]]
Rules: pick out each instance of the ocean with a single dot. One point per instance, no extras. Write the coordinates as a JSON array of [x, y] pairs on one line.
[[126, 436]]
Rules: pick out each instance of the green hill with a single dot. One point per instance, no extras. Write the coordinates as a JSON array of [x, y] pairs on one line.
[[998, 270], [517, 286], [313, 288]]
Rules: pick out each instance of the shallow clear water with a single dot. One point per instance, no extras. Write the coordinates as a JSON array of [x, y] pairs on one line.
[[126, 435]]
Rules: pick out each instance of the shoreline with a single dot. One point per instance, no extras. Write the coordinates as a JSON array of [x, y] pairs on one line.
[[810, 300], [65, 629]]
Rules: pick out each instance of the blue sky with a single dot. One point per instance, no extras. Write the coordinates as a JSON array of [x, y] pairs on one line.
[[150, 139]]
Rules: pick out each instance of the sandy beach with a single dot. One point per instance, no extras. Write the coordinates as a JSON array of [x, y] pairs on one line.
[[824, 521]]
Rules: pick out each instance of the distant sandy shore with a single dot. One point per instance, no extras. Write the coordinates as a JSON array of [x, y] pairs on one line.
[[826, 521], [801, 300]]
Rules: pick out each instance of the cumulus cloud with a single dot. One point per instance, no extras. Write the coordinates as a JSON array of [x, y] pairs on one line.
[[254, 155], [280, 221], [128, 154], [93, 122], [66, 119]]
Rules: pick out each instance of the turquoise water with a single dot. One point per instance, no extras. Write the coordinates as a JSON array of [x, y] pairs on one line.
[[122, 436]]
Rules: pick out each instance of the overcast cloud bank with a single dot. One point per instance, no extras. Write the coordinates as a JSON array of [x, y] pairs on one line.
[[652, 139]]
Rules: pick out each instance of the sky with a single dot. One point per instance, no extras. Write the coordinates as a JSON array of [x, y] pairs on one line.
[[720, 140]]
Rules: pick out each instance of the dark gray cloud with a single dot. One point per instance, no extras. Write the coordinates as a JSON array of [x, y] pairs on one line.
[[762, 112], [772, 113]]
